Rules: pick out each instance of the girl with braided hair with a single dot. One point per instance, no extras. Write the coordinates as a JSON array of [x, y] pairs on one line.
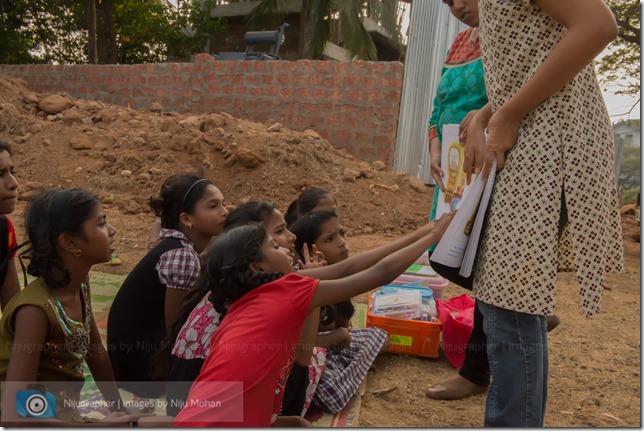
[[265, 305]]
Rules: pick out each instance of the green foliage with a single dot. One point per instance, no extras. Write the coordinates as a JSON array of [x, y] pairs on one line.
[[194, 29], [622, 64], [323, 15], [41, 31]]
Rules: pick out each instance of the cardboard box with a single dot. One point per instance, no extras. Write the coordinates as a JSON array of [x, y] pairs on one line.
[[409, 337]]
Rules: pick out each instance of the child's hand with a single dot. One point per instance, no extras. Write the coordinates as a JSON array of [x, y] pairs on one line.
[[443, 223], [343, 338], [312, 260]]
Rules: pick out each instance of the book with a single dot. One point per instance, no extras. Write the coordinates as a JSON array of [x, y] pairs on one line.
[[452, 157], [458, 246]]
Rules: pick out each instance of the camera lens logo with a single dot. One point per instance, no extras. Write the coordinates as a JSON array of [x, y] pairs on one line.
[[35, 404]]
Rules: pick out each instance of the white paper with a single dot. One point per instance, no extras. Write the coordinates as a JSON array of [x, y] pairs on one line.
[[472, 246], [451, 247]]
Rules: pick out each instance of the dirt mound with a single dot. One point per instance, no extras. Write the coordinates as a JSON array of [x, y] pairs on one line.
[[124, 155]]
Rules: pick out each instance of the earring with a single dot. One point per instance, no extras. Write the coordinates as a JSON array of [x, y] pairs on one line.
[[77, 253], [189, 225]]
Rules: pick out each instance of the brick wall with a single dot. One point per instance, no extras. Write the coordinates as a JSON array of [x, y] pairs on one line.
[[354, 105]]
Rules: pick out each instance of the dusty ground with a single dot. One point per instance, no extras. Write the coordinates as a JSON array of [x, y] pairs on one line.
[[124, 155]]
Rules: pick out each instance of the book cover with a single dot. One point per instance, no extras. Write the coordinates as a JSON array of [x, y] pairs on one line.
[[458, 247]]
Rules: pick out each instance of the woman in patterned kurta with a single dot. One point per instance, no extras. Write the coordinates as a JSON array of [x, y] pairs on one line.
[[552, 138]]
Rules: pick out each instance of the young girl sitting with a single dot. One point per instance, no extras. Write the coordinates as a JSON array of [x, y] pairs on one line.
[[351, 351], [47, 330], [198, 320], [9, 283], [313, 199], [192, 213], [242, 380]]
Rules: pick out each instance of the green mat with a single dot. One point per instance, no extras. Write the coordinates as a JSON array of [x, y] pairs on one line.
[[104, 287]]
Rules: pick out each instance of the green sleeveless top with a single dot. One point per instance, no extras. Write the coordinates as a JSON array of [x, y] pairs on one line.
[[62, 360]]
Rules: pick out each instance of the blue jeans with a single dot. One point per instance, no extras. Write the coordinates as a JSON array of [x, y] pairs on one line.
[[517, 351]]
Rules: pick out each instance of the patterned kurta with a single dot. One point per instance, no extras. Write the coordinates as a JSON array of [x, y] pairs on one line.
[[565, 145]]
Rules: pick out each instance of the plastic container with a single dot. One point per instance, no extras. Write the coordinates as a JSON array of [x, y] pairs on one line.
[[402, 304], [438, 284], [409, 337]]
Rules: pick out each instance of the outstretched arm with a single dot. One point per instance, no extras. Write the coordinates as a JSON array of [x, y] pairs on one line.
[[368, 258], [383, 272]]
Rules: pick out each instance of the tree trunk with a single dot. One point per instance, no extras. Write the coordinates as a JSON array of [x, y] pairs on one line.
[[108, 34], [91, 32], [303, 48]]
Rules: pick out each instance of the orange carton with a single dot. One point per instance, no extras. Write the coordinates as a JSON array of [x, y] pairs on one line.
[[410, 337]]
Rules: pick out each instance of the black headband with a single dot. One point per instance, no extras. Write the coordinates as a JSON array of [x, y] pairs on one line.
[[185, 197]]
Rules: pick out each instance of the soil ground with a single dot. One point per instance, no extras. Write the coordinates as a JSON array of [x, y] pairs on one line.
[[124, 155]]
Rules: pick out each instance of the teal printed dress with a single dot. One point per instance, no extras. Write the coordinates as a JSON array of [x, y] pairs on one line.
[[461, 89]]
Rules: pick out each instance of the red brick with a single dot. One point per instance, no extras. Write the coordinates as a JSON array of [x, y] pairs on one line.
[[384, 140], [318, 94], [241, 89], [331, 82], [349, 81], [355, 96], [259, 66], [271, 91], [300, 79], [258, 91], [151, 80], [231, 66], [198, 69], [237, 79], [374, 98], [323, 66], [392, 97], [335, 95], [252, 79], [377, 67], [174, 68], [302, 93], [227, 89], [315, 80], [341, 136], [285, 92], [283, 78], [160, 92], [267, 79], [243, 66]]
